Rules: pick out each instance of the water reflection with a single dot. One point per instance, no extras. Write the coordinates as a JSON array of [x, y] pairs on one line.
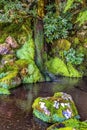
[[16, 109]]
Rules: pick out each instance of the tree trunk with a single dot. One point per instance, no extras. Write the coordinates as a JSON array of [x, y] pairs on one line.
[[39, 38], [39, 43], [57, 2]]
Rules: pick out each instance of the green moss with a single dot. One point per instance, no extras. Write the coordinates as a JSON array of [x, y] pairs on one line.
[[67, 128], [83, 125], [76, 41], [4, 91], [9, 29], [69, 124], [58, 67], [34, 74], [27, 51], [51, 109], [59, 95], [72, 71], [9, 81], [41, 115], [8, 57], [63, 44], [21, 63], [2, 69], [3, 74], [9, 67], [3, 37]]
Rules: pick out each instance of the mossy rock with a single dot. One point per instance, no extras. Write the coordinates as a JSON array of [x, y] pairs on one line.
[[62, 44], [54, 109], [8, 58], [71, 124], [33, 75], [72, 71], [58, 67], [10, 80]]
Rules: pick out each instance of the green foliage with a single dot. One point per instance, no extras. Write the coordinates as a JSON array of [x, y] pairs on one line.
[[72, 71], [56, 27], [15, 10], [58, 67], [10, 10], [9, 81], [82, 17], [34, 74], [4, 91], [3, 74], [21, 63], [71, 123], [27, 51], [70, 3], [4, 85], [46, 110], [73, 56]]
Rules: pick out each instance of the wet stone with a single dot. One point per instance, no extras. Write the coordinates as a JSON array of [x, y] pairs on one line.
[[54, 109]]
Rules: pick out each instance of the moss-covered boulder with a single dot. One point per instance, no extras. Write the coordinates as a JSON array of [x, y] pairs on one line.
[[54, 109], [72, 71], [9, 79], [62, 44], [71, 124], [33, 75], [58, 67]]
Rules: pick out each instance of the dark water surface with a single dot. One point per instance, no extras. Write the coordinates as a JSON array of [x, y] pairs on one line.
[[16, 109]]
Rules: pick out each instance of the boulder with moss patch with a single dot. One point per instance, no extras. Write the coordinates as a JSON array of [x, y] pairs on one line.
[[33, 75], [54, 109], [9, 79], [62, 44], [58, 67]]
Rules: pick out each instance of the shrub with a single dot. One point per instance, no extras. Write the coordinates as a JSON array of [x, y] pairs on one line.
[[74, 56], [56, 26]]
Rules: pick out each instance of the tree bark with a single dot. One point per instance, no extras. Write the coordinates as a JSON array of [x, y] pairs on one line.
[[57, 2], [39, 38], [39, 43]]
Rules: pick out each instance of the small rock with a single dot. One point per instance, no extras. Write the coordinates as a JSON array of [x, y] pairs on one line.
[[12, 42], [4, 49]]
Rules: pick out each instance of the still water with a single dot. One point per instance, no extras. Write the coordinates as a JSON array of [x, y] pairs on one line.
[[16, 109]]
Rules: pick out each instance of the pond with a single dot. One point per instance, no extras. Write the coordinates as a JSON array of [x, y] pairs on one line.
[[16, 109]]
